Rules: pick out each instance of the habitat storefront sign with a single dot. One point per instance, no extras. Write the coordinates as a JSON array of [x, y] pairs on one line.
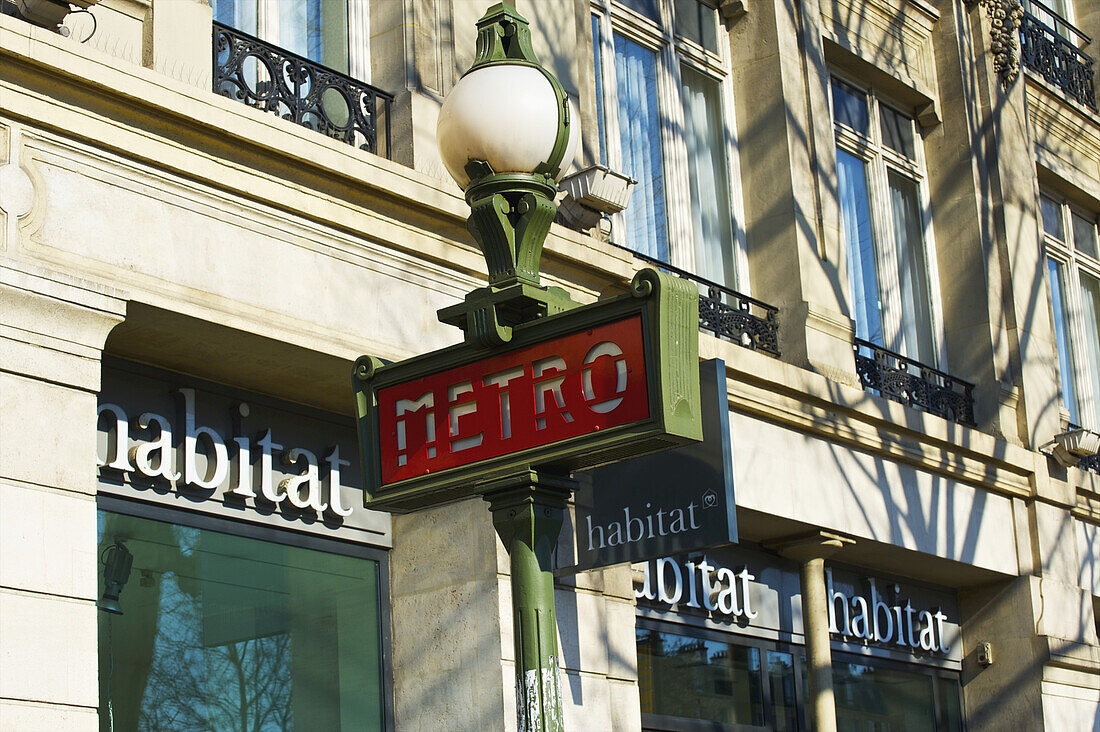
[[663, 504], [172, 439], [866, 613]]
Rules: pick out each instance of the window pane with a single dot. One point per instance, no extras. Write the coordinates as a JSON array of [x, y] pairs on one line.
[[695, 22], [640, 137], [916, 339], [897, 132], [950, 704], [597, 51], [850, 107], [647, 8], [688, 677], [859, 242], [1056, 277], [226, 632], [869, 698], [711, 221], [239, 14], [1084, 236], [781, 683], [1052, 218], [1090, 324]]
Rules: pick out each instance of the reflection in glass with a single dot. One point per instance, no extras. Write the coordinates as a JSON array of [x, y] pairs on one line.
[[223, 632], [1084, 236], [915, 339], [897, 131], [1056, 279], [870, 698], [1051, 211], [855, 212], [711, 222], [647, 8], [850, 107], [695, 21], [640, 138], [687, 677], [781, 686]]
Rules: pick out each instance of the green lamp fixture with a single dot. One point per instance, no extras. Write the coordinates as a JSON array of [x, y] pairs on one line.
[[507, 134]]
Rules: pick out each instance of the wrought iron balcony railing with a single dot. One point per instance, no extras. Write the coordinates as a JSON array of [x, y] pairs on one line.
[[912, 383], [727, 313], [1051, 46], [270, 78], [1092, 462]]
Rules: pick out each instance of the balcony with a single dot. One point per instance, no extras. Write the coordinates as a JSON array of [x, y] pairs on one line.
[[1051, 47], [275, 80], [913, 384], [727, 313]]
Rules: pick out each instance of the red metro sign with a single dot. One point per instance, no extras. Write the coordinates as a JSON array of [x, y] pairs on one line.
[[592, 385], [535, 396]]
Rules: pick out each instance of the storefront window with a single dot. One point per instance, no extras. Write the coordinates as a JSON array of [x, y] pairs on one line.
[[227, 632], [681, 676], [884, 700], [784, 696]]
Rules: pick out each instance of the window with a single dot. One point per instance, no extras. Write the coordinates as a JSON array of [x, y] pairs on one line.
[[230, 632], [885, 225], [660, 69], [1073, 276], [691, 679], [332, 33]]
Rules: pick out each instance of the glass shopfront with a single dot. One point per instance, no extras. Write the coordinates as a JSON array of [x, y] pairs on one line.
[[722, 650], [242, 585], [219, 631]]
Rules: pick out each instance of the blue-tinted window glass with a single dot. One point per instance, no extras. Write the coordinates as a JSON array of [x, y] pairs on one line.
[[315, 29], [224, 632], [640, 140], [1057, 283], [855, 212], [850, 107]]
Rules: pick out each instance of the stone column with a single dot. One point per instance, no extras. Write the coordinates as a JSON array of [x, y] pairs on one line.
[[50, 347], [811, 551]]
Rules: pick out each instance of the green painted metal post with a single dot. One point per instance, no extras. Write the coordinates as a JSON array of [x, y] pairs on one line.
[[528, 508]]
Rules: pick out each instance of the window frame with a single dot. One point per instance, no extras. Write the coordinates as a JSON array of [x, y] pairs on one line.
[[880, 161], [1073, 262], [671, 51]]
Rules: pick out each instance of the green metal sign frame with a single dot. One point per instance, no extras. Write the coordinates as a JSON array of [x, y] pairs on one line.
[[668, 310]]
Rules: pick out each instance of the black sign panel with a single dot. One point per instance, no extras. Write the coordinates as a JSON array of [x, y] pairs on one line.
[[671, 502]]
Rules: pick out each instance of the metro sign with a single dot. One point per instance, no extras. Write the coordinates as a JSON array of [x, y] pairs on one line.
[[591, 385]]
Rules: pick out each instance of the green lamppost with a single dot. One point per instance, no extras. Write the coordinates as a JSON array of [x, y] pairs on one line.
[[507, 133]]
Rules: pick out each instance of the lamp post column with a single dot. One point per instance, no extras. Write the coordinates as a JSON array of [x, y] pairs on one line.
[[528, 509]]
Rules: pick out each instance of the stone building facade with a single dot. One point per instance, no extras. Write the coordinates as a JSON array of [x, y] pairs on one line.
[[891, 208]]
